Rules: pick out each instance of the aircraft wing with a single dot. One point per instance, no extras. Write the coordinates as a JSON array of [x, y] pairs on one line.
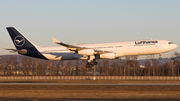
[[76, 48], [70, 47]]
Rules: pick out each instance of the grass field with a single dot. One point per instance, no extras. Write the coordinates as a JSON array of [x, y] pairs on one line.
[[89, 92]]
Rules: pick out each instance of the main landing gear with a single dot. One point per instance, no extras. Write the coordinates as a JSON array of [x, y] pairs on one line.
[[160, 57], [91, 64]]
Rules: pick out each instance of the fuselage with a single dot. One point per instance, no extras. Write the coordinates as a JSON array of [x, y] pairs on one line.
[[141, 47], [90, 52]]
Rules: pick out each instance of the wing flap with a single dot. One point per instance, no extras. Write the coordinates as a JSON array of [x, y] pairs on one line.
[[22, 51]]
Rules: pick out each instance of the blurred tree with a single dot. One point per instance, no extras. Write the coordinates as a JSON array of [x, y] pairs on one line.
[[77, 68], [149, 69], [176, 63]]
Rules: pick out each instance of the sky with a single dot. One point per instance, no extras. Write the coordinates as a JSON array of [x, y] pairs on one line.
[[90, 21]]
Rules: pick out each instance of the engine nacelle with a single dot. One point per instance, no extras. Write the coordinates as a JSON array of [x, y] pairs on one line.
[[108, 56], [86, 52], [22, 51]]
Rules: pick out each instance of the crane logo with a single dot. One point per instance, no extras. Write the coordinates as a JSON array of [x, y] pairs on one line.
[[19, 41]]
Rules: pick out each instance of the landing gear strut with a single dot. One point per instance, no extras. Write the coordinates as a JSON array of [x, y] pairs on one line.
[[160, 57], [91, 62]]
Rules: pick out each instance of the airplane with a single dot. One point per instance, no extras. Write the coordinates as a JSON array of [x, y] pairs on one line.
[[90, 52]]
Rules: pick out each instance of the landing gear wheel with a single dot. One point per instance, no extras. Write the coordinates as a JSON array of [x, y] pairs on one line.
[[89, 65], [160, 58], [91, 62], [95, 63]]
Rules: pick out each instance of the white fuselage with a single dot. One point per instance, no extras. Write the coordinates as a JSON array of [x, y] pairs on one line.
[[141, 47]]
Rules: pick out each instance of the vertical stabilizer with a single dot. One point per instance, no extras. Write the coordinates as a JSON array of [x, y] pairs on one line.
[[19, 40], [23, 45]]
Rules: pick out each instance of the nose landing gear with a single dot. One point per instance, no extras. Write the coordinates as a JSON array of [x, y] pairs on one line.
[[160, 57]]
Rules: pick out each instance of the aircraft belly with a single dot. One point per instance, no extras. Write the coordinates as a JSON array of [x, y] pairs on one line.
[[52, 57], [143, 50], [61, 56]]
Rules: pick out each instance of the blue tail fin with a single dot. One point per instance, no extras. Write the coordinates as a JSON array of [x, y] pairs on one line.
[[22, 43], [18, 39]]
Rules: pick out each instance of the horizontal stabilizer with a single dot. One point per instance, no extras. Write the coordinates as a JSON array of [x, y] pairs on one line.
[[15, 50], [22, 51]]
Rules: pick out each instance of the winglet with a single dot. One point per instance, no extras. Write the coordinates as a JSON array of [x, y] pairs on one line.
[[55, 41]]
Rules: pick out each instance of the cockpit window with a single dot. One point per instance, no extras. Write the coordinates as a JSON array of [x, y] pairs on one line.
[[170, 42]]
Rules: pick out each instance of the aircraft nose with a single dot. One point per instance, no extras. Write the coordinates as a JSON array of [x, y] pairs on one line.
[[175, 46]]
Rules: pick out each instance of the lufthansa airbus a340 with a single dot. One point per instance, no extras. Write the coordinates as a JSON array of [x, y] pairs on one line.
[[91, 52]]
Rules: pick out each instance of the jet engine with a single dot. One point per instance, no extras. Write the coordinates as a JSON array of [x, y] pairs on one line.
[[108, 55], [86, 52]]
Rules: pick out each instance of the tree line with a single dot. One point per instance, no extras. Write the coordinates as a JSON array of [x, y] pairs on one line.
[[26, 66]]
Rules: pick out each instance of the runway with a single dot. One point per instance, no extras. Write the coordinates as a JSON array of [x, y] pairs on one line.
[[89, 91], [76, 84]]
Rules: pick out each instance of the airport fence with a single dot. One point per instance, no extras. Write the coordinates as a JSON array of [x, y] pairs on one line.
[[133, 78]]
